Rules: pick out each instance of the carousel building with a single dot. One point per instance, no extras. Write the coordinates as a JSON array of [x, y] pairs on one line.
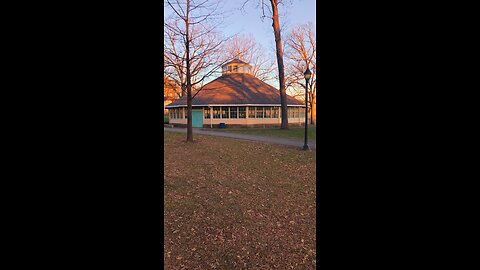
[[235, 99]]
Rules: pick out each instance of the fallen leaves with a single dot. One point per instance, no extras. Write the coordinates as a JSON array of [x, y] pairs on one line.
[[238, 205]]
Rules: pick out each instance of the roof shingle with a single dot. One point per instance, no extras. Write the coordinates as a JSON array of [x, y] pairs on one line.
[[237, 88]]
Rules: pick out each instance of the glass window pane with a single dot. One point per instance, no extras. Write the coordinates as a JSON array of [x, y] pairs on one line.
[[274, 112], [233, 112], [267, 112], [259, 112], [206, 112], [224, 112], [251, 112], [216, 112], [242, 112]]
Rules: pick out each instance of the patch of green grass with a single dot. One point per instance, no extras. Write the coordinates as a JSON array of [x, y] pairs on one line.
[[291, 133]]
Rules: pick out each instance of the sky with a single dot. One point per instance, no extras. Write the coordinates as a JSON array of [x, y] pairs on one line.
[[249, 22]]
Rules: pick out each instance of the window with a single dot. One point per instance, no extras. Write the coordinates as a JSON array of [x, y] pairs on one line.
[[233, 112], [251, 112], [229, 68], [206, 112], [290, 112], [216, 112], [235, 68], [302, 112], [267, 112], [224, 69], [242, 112], [259, 112], [224, 112], [275, 112]]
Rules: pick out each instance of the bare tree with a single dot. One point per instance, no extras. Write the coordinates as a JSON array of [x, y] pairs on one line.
[[271, 11], [192, 47], [174, 58], [301, 52], [247, 49], [170, 89]]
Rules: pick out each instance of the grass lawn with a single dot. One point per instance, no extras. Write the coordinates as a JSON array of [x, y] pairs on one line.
[[237, 205], [292, 133]]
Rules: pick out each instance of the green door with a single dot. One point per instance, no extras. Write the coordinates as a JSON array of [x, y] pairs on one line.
[[197, 117]]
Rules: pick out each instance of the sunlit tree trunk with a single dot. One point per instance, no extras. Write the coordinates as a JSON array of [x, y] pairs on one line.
[[281, 70], [313, 108]]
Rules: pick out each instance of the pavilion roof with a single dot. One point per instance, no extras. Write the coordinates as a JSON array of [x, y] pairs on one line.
[[236, 89]]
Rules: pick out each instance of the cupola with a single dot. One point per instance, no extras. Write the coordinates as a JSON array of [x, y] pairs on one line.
[[236, 66]]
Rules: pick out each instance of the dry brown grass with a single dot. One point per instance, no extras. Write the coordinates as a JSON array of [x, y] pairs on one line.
[[238, 205]]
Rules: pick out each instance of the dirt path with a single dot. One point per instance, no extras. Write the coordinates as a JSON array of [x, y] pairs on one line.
[[264, 139]]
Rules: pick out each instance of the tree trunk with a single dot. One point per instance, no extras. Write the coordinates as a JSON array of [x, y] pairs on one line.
[[184, 90], [313, 113], [281, 70], [312, 104], [189, 115], [189, 79]]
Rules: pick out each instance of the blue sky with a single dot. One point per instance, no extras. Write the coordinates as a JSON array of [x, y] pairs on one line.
[[248, 22]]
